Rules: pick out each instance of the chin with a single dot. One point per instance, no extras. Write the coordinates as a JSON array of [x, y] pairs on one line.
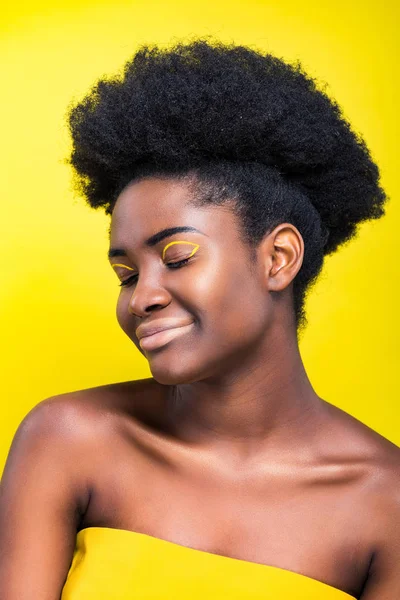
[[170, 368], [167, 377]]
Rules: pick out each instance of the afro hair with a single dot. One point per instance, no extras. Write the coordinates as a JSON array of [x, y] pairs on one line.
[[246, 126]]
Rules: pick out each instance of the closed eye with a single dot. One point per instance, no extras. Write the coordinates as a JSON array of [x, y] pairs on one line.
[[174, 265]]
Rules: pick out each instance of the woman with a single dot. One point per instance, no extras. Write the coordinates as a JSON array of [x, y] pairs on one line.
[[228, 176]]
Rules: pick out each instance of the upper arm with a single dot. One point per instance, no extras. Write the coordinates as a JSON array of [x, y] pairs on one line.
[[41, 494], [383, 581]]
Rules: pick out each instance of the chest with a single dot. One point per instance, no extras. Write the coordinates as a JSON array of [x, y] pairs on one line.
[[300, 523]]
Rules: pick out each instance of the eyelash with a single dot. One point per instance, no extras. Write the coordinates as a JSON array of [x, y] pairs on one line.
[[130, 279]]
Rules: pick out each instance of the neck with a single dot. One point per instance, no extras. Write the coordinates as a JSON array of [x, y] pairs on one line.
[[265, 404]]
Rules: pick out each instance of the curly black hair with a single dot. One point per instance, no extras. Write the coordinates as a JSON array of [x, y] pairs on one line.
[[243, 125]]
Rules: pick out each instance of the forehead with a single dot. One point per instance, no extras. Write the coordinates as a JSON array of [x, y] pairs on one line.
[[150, 205]]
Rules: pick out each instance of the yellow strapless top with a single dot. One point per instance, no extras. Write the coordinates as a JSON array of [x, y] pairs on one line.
[[117, 564]]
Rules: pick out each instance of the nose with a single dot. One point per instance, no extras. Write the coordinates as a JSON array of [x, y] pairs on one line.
[[146, 298]]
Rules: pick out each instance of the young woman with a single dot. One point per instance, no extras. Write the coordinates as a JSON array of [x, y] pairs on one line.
[[228, 176]]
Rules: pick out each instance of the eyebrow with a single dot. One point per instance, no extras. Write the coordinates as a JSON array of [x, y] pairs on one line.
[[155, 239]]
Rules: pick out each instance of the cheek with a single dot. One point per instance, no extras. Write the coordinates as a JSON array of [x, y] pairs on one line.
[[122, 312], [234, 302], [125, 319]]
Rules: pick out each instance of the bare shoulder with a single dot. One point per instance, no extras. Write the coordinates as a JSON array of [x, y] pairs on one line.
[[98, 405], [72, 422], [373, 455], [352, 436], [94, 413], [112, 396], [376, 502], [56, 458]]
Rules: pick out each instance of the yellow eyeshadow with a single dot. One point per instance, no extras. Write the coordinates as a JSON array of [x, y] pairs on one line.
[[196, 247], [125, 267]]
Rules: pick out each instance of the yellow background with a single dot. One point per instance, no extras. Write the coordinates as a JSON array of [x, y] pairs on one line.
[[58, 294]]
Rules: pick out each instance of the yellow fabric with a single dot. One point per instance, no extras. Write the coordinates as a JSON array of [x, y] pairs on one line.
[[116, 564]]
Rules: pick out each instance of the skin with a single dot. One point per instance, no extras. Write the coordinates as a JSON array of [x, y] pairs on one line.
[[253, 463]]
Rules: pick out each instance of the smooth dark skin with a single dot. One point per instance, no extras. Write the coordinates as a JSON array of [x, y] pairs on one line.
[[227, 449]]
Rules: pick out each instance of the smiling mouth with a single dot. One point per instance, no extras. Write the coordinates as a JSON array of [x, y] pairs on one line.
[[151, 342]]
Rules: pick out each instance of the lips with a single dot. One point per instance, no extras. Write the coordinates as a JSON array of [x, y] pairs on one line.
[[162, 336], [147, 329]]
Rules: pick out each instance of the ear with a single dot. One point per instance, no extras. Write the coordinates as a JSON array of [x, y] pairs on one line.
[[283, 253]]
